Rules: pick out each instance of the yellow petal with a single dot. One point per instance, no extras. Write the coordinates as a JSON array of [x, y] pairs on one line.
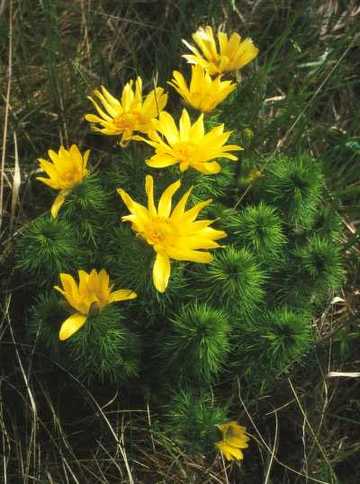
[[135, 208], [112, 108], [54, 157], [179, 209], [83, 281], [104, 280], [76, 155], [223, 41], [184, 126], [229, 452], [71, 293], [164, 207], [111, 99], [186, 254], [138, 89], [122, 295], [102, 113], [233, 44], [161, 272], [71, 325], [166, 125], [161, 160], [191, 214], [239, 442], [94, 282], [179, 83], [149, 188], [127, 96], [47, 181], [85, 158], [208, 168], [68, 283], [154, 102], [58, 202], [197, 130], [49, 168], [192, 48]]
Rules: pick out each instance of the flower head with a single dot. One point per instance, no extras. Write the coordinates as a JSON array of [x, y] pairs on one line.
[[234, 439], [92, 292], [68, 168], [188, 145], [132, 113], [204, 93], [174, 234], [230, 54]]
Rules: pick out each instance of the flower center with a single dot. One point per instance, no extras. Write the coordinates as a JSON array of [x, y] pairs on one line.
[[70, 178], [229, 434], [184, 152], [129, 121], [160, 232]]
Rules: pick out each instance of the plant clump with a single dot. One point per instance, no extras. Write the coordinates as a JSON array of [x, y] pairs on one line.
[[157, 268]]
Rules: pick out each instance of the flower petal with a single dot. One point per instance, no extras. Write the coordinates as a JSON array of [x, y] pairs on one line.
[[149, 188], [187, 254], [164, 207], [122, 295], [166, 125], [58, 202], [161, 160], [228, 451], [179, 209], [71, 325], [161, 272], [185, 126], [208, 168]]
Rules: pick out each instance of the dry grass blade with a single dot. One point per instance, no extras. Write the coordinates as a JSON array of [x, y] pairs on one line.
[[273, 451], [343, 374], [268, 448], [16, 183], [283, 140], [6, 445], [315, 437], [32, 451], [2, 6], [6, 120]]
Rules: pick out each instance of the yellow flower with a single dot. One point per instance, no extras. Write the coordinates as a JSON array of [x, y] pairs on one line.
[[189, 145], [129, 114], [204, 93], [68, 168], [234, 439], [93, 292], [173, 234], [230, 54]]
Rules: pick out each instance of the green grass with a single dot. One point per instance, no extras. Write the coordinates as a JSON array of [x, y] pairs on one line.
[[301, 94]]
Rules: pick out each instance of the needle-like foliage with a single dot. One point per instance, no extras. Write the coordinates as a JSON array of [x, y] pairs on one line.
[[198, 342], [49, 246], [294, 185], [192, 421], [234, 280]]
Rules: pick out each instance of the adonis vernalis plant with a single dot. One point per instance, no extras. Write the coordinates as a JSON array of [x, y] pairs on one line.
[[234, 438], [189, 145], [174, 234], [92, 293], [67, 169], [203, 92], [227, 54], [243, 312], [133, 113]]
